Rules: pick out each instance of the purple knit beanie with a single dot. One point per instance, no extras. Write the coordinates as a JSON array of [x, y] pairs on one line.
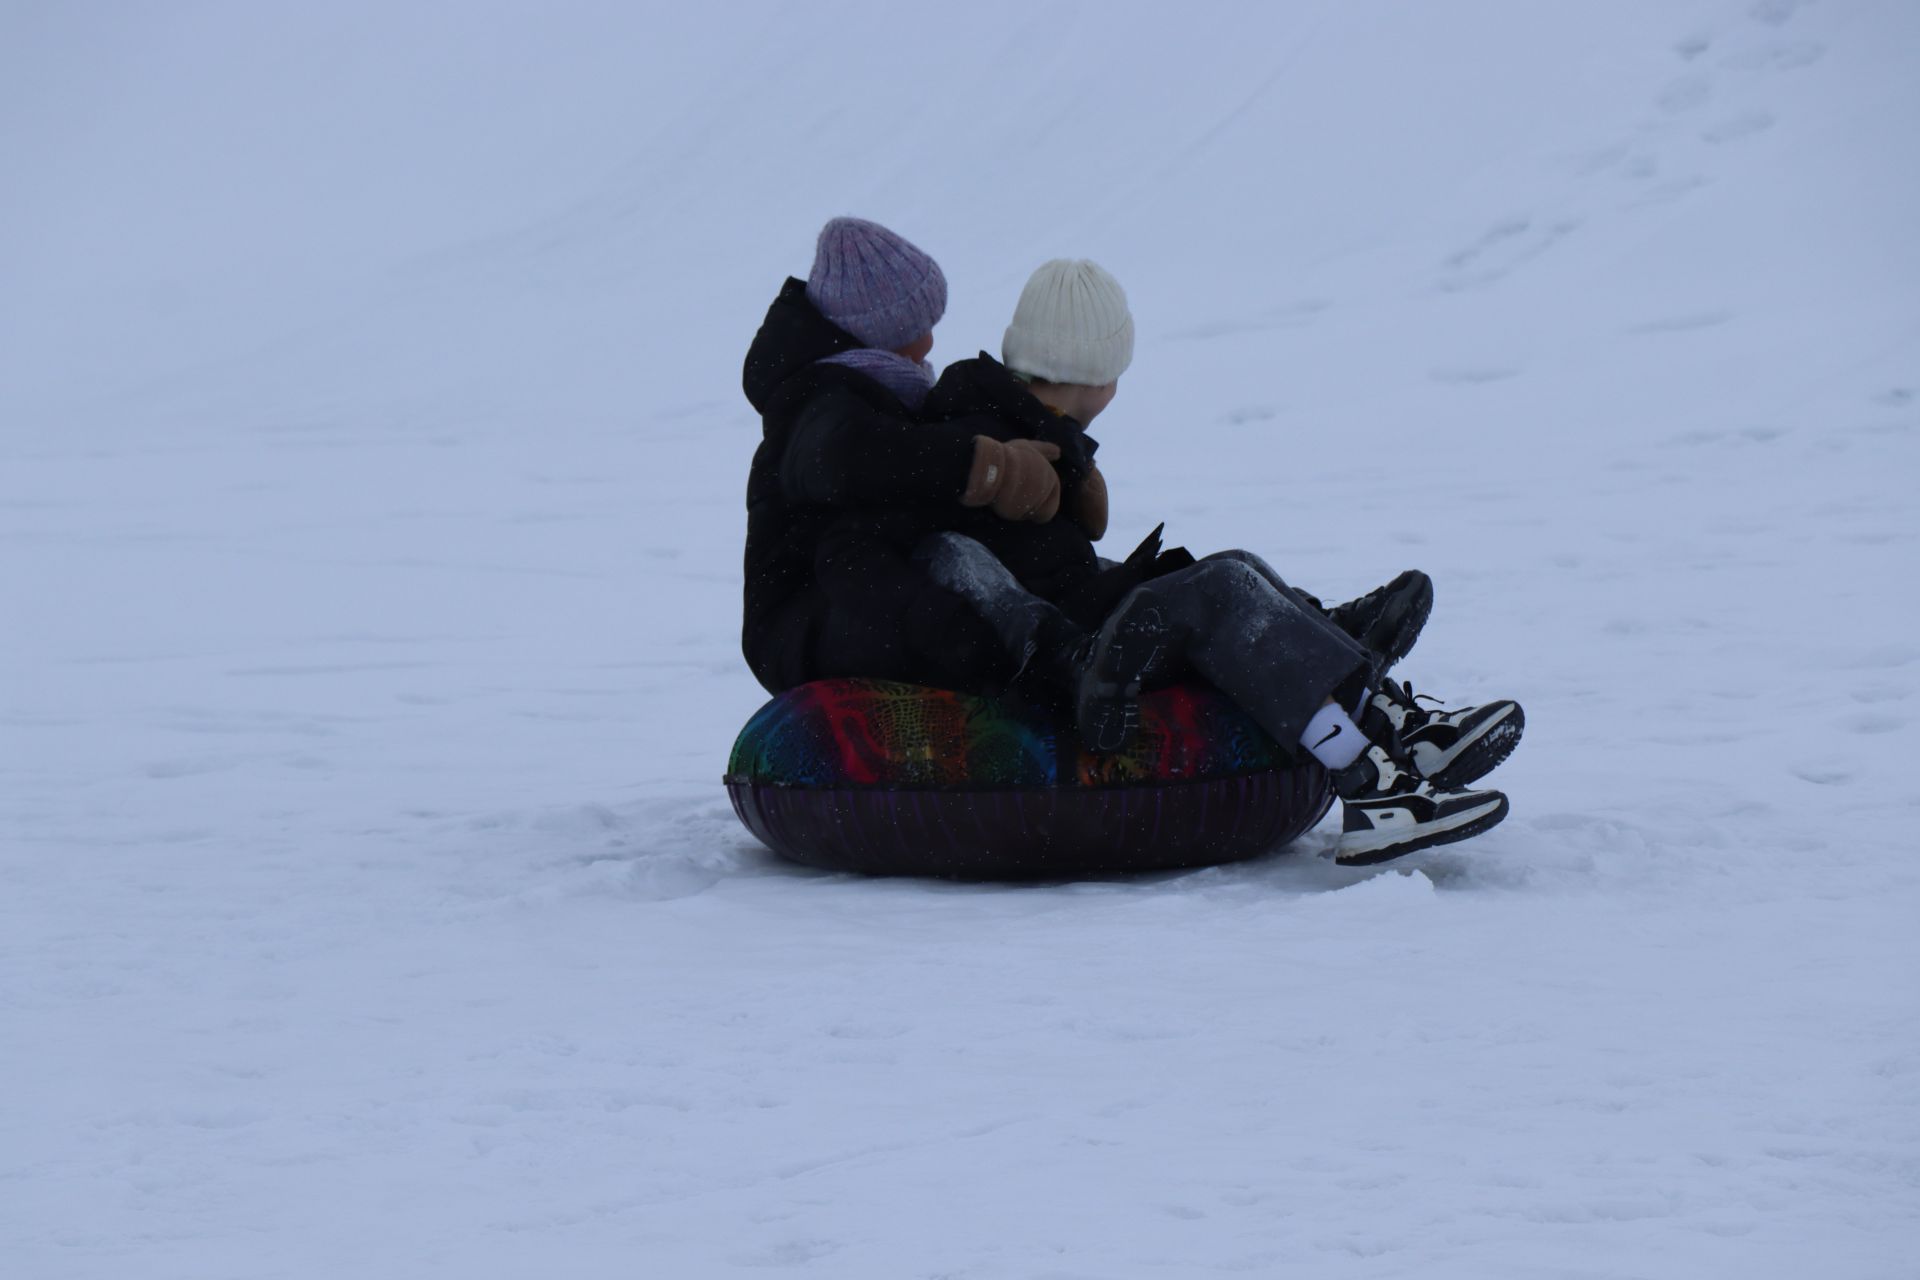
[[874, 284]]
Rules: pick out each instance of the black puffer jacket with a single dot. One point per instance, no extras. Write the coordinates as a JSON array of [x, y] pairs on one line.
[[1056, 560], [983, 385], [833, 440]]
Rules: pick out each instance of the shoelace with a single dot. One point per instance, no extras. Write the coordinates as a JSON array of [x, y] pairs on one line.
[[1417, 715]]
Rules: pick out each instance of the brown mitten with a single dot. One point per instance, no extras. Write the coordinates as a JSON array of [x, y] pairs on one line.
[[1050, 506], [1092, 511], [1015, 477]]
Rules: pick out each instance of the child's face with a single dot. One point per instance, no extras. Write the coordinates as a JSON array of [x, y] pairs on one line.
[[919, 347], [1097, 399]]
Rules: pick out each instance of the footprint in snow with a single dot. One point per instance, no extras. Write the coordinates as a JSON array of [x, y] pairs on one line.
[[789, 1253], [1742, 435], [1774, 13], [1250, 413], [1471, 375], [1500, 250], [1779, 57], [1744, 125], [1689, 93], [1691, 47], [1883, 657]]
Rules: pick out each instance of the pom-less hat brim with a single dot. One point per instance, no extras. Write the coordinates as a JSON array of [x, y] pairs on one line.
[[902, 320], [1057, 357], [1072, 324]]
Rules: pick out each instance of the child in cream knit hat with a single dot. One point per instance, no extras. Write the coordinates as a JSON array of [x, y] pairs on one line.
[[1070, 340], [1312, 678]]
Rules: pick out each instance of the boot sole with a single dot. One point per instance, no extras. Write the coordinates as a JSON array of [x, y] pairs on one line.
[[1401, 643], [1390, 649], [1488, 753], [1109, 712], [1460, 826]]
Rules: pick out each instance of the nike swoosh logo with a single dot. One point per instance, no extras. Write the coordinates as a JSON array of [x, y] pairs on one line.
[[1329, 738]]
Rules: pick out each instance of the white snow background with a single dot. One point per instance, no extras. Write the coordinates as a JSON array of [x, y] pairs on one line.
[[371, 469]]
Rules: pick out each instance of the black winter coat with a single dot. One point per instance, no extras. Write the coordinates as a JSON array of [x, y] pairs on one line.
[[1056, 560], [833, 439], [1051, 560], [983, 385]]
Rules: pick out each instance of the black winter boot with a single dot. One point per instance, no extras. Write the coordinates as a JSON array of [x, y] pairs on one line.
[[1392, 811], [1388, 619], [1450, 749], [1049, 674]]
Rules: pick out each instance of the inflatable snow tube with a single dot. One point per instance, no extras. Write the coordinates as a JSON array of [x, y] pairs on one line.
[[884, 778]]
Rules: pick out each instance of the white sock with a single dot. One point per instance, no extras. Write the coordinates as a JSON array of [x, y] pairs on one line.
[[1332, 737]]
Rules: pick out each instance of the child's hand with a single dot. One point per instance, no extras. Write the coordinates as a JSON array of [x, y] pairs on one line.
[[1015, 477]]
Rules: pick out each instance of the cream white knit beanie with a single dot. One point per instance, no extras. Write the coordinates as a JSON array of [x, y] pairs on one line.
[[1072, 325]]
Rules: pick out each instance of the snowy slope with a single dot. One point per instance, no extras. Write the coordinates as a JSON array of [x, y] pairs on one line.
[[371, 454]]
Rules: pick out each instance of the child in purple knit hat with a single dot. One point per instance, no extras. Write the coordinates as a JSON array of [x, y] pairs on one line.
[[838, 374]]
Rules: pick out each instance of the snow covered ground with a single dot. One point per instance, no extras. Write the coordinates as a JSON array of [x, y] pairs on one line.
[[371, 458]]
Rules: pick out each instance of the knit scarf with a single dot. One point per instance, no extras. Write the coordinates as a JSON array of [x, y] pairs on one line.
[[908, 379]]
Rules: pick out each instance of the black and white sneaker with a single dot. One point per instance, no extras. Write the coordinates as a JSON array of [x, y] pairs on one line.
[[1392, 811], [1451, 749], [1388, 619], [1107, 695]]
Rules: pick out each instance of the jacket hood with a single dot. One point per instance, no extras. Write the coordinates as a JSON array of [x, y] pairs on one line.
[[984, 385], [793, 337]]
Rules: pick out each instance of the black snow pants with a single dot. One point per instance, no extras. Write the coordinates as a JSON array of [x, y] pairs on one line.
[[1234, 621]]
